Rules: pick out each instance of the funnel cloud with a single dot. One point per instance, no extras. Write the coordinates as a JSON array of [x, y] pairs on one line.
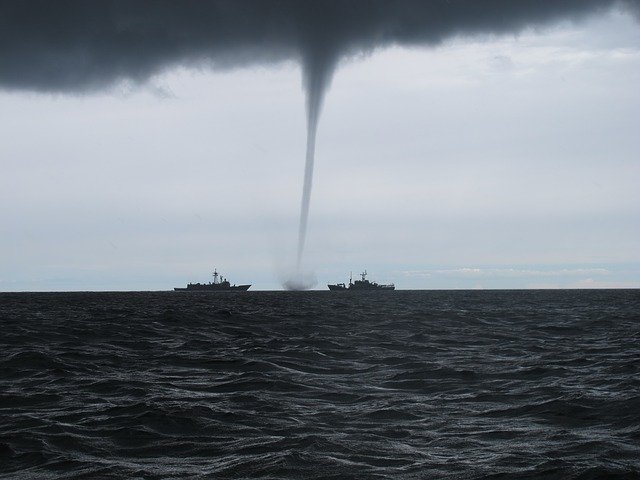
[[317, 76]]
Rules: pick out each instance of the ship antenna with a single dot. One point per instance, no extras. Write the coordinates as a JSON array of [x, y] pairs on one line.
[[364, 274]]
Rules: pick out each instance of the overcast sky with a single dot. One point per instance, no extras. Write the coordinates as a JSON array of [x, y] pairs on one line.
[[486, 161]]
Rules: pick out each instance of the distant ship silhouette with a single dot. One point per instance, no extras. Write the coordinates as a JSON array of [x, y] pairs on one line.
[[218, 285], [363, 284]]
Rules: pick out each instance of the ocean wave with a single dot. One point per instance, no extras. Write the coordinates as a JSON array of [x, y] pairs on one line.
[[478, 385]]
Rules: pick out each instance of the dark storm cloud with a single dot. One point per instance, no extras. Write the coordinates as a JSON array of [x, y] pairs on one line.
[[81, 45]]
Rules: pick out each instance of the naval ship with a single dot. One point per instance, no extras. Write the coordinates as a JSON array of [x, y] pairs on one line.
[[219, 284], [361, 285]]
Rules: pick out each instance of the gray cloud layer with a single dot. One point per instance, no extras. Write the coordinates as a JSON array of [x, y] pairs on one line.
[[81, 45]]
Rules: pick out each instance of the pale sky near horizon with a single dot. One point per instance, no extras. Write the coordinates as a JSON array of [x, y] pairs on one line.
[[486, 162]]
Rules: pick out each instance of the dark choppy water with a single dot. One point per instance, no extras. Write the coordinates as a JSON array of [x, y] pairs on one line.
[[493, 384]]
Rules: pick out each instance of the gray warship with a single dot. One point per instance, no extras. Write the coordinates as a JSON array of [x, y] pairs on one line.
[[360, 285], [219, 284]]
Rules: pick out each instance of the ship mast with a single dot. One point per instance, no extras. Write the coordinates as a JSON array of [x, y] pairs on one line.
[[215, 276]]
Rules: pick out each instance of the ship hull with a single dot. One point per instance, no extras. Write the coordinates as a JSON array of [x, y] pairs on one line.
[[372, 288], [213, 288], [353, 288]]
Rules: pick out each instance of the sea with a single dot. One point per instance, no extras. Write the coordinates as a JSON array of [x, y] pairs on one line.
[[538, 384]]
